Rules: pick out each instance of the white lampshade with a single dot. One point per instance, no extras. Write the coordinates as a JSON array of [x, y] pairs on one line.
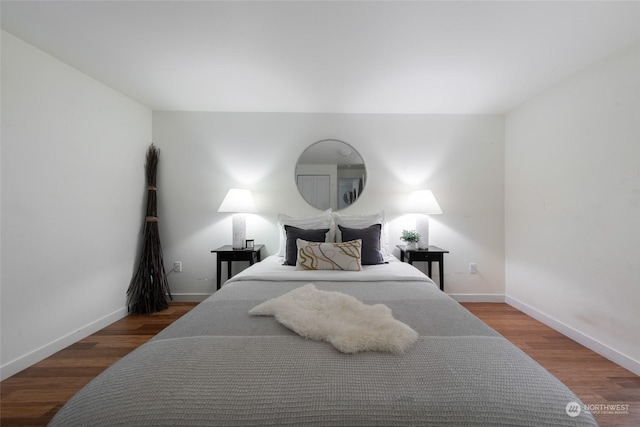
[[423, 201], [237, 200]]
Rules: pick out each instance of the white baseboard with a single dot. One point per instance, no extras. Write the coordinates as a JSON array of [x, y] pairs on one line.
[[592, 344], [13, 367], [478, 297], [186, 297], [29, 359]]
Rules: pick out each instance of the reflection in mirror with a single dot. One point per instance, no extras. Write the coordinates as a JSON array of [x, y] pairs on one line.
[[330, 174]]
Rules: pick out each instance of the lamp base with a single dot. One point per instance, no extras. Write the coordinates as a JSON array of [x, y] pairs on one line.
[[239, 231], [422, 227]]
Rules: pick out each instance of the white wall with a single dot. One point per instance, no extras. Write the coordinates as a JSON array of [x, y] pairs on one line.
[[461, 158], [73, 154], [573, 207]]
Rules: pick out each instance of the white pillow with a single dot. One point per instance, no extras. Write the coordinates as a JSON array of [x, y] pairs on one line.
[[363, 221], [329, 255], [309, 223]]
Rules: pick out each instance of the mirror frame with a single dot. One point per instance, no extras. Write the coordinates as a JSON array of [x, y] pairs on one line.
[[341, 165]]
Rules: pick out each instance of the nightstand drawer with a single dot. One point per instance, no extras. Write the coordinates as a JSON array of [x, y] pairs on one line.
[[422, 256], [237, 255]]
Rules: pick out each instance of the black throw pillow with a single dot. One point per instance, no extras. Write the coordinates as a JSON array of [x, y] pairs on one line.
[[370, 237], [295, 233]]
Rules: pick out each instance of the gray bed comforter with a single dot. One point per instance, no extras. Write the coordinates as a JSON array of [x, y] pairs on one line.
[[219, 366]]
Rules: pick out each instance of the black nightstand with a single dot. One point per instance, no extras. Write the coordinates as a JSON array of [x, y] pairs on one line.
[[228, 254], [430, 254]]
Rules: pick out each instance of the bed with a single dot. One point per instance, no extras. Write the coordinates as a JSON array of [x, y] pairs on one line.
[[220, 366]]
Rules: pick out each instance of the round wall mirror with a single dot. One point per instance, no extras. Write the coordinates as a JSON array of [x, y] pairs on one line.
[[330, 174]]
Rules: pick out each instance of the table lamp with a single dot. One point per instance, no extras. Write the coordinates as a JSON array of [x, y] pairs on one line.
[[238, 202], [423, 203]]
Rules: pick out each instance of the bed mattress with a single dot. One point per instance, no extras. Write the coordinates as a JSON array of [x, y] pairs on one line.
[[217, 365]]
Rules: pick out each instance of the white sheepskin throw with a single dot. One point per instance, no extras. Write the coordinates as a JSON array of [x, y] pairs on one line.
[[340, 319]]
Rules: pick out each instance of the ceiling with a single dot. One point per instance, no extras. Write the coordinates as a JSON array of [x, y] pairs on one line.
[[420, 57]]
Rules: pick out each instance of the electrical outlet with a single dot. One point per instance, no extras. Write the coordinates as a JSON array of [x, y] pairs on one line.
[[473, 268], [177, 266]]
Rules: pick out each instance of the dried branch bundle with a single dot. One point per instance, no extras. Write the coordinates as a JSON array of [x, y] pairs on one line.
[[149, 287]]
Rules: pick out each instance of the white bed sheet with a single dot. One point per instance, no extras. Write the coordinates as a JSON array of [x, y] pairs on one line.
[[272, 269]]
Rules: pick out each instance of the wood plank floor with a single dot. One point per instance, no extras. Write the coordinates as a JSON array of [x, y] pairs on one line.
[[33, 396], [593, 378]]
